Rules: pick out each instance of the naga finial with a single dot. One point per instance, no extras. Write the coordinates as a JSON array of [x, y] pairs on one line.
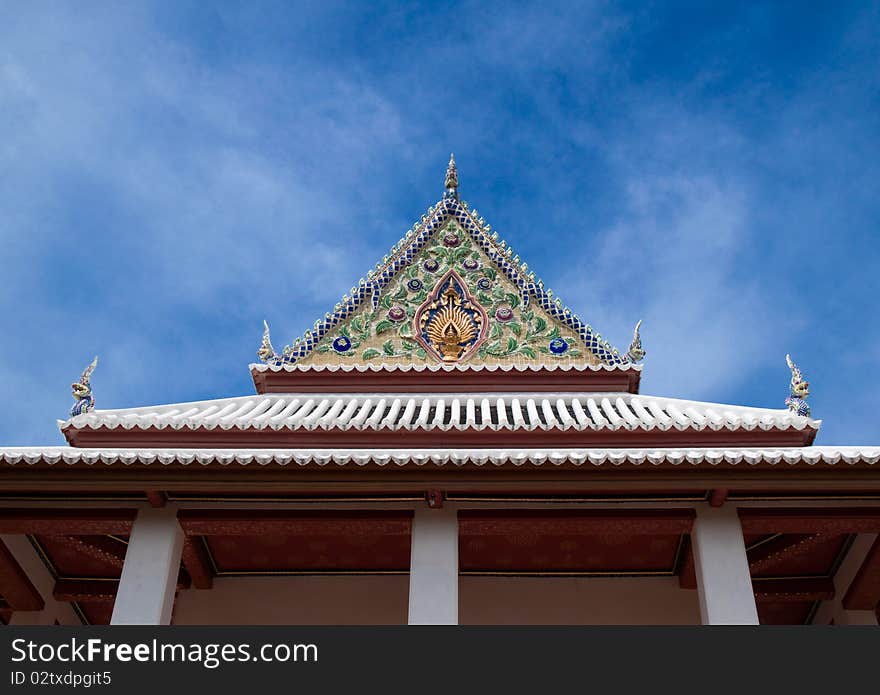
[[266, 351], [451, 179], [798, 391], [84, 401], [635, 352]]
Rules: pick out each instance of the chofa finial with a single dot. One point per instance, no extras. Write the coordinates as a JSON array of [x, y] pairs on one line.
[[266, 351], [635, 352], [84, 401], [798, 391], [451, 179]]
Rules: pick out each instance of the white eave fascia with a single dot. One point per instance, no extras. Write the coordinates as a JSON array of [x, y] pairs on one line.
[[438, 367], [824, 456]]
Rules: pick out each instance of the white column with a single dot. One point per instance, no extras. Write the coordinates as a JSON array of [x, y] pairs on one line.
[[723, 578], [34, 567], [433, 571], [834, 610], [149, 574]]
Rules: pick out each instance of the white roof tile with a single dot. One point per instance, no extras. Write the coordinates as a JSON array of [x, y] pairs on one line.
[[526, 411]]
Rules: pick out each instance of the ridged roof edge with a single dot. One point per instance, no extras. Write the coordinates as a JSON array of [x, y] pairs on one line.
[[394, 412]]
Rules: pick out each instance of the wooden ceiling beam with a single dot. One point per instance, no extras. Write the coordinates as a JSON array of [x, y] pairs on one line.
[[197, 563], [156, 498], [96, 590], [810, 520], [15, 586], [86, 590], [864, 591], [794, 589], [102, 548], [769, 554], [718, 496], [687, 576], [64, 522], [653, 522], [256, 523]]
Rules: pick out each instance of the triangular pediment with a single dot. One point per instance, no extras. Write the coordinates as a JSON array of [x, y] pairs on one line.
[[450, 292]]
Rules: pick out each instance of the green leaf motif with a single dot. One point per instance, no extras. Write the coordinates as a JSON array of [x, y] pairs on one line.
[[401, 293], [512, 299], [495, 348], [484, 299], [405, 331], [370, 353], [497, 330], [324, 348], [344, 331], [490, 273], [515, 328], [383, 326], [552, 335], [385, 301], [357, 324], [388, 347], [540, 325], [527, 351], [421, 353], [511, 344]]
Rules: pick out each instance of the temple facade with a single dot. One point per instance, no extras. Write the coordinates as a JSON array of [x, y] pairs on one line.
[[449, 445]]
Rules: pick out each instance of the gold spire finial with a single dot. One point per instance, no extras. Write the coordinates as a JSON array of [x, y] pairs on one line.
[[451, 175]]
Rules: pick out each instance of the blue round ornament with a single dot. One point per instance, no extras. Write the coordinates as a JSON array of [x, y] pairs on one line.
[[558, 346]]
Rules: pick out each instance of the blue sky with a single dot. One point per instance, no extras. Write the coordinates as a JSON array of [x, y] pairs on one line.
[[173, 173]]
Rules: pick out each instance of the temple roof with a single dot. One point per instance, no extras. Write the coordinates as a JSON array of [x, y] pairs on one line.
[[450, 292], [444, 412]]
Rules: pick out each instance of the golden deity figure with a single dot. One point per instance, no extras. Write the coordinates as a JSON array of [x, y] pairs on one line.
[[451, 329]]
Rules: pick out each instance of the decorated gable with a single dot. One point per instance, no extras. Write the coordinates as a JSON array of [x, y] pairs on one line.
[[450, 293]]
